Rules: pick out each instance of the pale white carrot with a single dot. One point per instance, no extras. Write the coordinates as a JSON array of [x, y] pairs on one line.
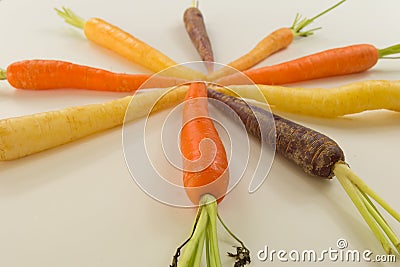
[[25, 135], [326, 102]]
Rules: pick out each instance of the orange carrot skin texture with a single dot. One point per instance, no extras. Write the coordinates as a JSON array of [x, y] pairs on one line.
[[197, 126], [328, 63], [55, 74]]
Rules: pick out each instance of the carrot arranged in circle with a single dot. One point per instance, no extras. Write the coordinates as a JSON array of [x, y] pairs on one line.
[[196, 29], [205, 162], [57, 74], [26, 135], [126, 45], [205, 180], [328, 63], [272, 43], [343, 100], [317, 155]]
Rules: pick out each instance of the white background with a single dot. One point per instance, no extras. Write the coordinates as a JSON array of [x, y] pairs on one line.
[[77, 205]]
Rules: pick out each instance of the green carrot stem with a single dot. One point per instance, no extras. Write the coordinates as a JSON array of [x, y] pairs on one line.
[[350, 189], [208, 248], [199, 252], [71, 18], [178, 250], [366, 189], [325, 11], [385, 52], [230, 232], [299, 24], [191, 246], [195, 3], [212, 211], [379, 219], [3, 74]]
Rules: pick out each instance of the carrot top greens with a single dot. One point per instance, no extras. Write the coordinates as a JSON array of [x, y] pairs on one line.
[[299, 24], [71, 18], [385, 52], [205, 232], [360, 195]]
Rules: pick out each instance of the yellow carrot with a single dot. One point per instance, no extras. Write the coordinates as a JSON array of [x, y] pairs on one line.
[[111, 37], [326, 102], [26, 135]]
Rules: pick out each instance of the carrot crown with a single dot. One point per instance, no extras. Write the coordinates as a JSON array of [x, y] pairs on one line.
[[299, 24], [71, 18], [3, 74]]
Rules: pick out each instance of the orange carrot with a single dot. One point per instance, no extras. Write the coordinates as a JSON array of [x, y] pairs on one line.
[[272, 43], [126, 45], [56, 74], [202, 174], [206, 181], [332, 62]]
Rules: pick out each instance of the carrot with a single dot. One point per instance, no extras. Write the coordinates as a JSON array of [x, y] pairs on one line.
[[327, 63], [198, 128], [26, 135], [55, 74], [196, 29], [205, 180], [326, 102], [272, 43], [126, 45], [317, 155]]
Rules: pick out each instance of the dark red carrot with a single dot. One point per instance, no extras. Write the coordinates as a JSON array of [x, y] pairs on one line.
[[318, 155], [56, 74], [328, 63], [314, 152], [196, 29]]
